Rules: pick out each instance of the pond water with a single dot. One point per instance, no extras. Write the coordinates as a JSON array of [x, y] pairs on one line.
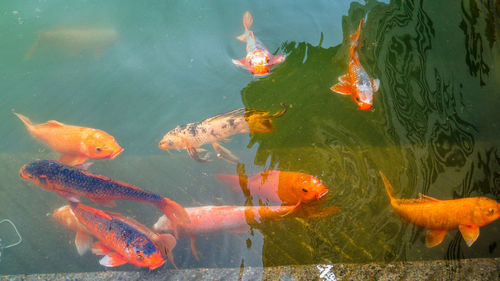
[[146, 67]]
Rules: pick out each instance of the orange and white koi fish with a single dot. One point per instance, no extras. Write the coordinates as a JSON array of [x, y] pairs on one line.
[[440, 216], [208, 219], [356, 82], [123, 240], [259, 60], [217, 128], [285, 187], [76, 144]]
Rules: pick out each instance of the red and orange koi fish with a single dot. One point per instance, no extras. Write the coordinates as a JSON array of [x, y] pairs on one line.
[[208, 219], [440, 216], [122, 240], [287, 188], [71, 183], [76, 144], [356, 82], [259, 60]]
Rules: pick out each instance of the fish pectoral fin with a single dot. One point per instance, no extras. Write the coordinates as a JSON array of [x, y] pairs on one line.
[[469, 233], [83, 242], [193, 152], [424, 197], [434, 237], [113, 259], [104, 202], [343, 87], [99, 249], [225, 154], [242, 62], [68, 196], [193, 247], [278, 59], [167, 242], [375, 84], [293, 210], [345, 79], [72, 159]]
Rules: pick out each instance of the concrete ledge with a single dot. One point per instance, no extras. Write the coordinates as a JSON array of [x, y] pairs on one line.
[[467, 269]]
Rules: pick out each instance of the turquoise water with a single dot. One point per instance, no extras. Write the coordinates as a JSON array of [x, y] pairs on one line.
[[433, 129]]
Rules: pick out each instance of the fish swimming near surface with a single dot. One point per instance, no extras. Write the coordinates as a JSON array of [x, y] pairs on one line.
[[285, 187], [75, 144], [209, 219], [71, 183], [73, 41], [440, 216], [259, 60], [356, 82], [122, 241], [218, 128]]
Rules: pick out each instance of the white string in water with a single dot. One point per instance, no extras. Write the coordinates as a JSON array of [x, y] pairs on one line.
[[13, 244]]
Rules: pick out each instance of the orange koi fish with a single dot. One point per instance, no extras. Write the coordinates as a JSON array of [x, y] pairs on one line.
[[76, 144], [440, 216], [71, 183], [287, 188], [356, 82], [217, 128], [259, 60], [208, 219], [122, 240]]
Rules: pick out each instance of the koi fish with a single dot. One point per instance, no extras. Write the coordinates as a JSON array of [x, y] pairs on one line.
[[76, 144], [440, 216], [259, 60], [83, 240], [356, 82], [217, 128], [122, 242], [208, 219], [71, 183], [287, 188]]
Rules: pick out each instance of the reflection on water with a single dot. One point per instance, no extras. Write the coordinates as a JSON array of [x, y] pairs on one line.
[[433, 128]]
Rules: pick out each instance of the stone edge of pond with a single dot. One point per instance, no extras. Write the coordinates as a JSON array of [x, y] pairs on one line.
[[466, 269]]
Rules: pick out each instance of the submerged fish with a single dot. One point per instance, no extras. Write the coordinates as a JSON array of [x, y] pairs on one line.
[[217, 128], [208, 219], [76, 144], [259, 60], [121, 241], [356, 82], [73, 41], [285, 187], [70, 183], [440, 216]]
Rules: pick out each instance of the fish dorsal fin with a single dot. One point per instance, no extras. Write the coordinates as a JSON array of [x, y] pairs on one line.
[[426, 198], [55, 123]]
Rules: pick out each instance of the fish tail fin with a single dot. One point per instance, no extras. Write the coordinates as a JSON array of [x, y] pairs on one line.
[[25, 120], [31, 51], [167, 242], [355, 36], [175, 213], [261, 122], [247, 20], [388, 186], [232, 180]]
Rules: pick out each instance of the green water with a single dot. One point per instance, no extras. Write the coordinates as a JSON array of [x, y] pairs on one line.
[[433, 130]]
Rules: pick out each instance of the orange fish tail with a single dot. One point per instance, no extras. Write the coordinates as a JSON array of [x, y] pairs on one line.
[[174, 212], [247, 20], [388, 187], [355, 36], [25, 120]]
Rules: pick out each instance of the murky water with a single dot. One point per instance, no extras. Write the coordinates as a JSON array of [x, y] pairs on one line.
[[434, 127]]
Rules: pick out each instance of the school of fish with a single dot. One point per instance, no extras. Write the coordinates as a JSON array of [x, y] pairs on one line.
[[279, 194]]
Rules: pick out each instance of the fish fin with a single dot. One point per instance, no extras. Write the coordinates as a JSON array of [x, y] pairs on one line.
[[345, 78], [247, 20], [100, 249], [54, 123], [355, 36], [434, 237], [388, 186], [91, 210], [342, 87], [232, 180], [83, 242], [194, 153], [175, 213], [72, 159], [427, 198], [113, 259], [167, 242], [225, 153], [31, 51], [104, 202], [469, 233], [193, 247], [25, 120], [84, 166], [242, 62], [293, 210], [68, 196], [375, 84], [242, 37], [277, 59]]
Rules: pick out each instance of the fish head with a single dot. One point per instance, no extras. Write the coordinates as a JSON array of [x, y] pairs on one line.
[[155, 260], [363, 96], [310, 188], [37, 172], [163, 225], [146, 256], [65, 216], [260, 62], [100, 145], [486, 211], [171, 140]]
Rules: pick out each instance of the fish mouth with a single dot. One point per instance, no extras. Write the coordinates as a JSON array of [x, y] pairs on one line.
[[22, 172], [322, 194], [365, 106], [113, 156]]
